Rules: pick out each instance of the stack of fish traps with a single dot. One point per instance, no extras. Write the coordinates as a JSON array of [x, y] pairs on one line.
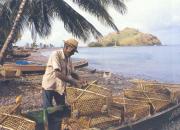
[[146, 99], [10, 119], [95, 106], [91, 107]]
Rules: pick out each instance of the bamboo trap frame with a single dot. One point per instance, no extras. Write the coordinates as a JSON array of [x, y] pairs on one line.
[[9, 109], [144, 91], [137, 113], [100, 90], [86, 102], [136, 94], [130, 105], [13, 122], [92, 106], [100, 121], [154, 84], [125, 101]]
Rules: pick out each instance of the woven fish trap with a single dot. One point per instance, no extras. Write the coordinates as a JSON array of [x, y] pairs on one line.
[[100, 90], [158, 101], [72, 94], [9, 109], [157, 88], [160, 105], [90, 106], [174, 93], [136, 112], [12, 122], [123, 101], [141, 94], [101, 121], [86, 102]]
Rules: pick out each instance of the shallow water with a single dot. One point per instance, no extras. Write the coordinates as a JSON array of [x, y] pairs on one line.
[[160, 63]]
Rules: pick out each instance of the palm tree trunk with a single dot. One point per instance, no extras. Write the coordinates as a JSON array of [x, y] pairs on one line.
[[10, 36]]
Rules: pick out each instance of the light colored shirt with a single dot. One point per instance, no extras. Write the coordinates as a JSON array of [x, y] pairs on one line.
[[57, 60]]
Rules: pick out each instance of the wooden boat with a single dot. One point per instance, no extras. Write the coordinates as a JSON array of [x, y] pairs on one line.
[[14, 70], [80, 63], [143, 107], [20, 53], [26, 68]]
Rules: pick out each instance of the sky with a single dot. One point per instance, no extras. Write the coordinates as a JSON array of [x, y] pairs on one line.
[[158, 17]]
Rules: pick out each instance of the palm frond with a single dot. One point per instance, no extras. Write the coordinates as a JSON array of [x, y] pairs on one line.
[[96, 8], [40, 18], [5, 22], [73, 21], [119, 5], [8, 13]]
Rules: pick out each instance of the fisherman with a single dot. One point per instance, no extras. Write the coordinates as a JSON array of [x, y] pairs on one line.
[[58, 73]]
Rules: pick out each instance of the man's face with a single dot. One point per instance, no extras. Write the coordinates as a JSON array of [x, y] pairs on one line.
[[69, 51]]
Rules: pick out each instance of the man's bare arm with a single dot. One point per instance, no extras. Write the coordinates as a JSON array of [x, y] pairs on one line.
[[65, 78], [75, 75]]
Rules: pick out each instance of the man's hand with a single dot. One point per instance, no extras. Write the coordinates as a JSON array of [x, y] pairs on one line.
[[73, 82], [65, 78], [75, 75], [82, 83]]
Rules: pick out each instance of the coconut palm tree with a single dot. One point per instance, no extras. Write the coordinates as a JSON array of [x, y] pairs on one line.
[[5, 25], [38, 14], [13, 30]]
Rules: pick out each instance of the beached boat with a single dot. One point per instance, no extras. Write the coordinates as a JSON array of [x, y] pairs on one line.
[[80, 63], [15, 70], [20, 53], [21, 67], [143, 107], [26, 68]]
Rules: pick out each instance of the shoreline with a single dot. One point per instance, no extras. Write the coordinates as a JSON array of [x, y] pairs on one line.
[[29, 86]]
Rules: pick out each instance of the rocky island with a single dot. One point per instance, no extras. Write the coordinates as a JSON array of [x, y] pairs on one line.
[[126, 37]]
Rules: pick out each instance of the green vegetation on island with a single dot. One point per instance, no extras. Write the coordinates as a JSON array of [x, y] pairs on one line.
[[126, 37]]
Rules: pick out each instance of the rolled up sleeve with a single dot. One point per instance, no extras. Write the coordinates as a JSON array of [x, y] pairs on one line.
[[56, 61]]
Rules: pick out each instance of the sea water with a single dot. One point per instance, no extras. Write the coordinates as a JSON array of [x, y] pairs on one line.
[[161, 63]]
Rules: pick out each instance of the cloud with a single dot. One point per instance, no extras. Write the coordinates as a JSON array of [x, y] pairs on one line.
[[159, 17]]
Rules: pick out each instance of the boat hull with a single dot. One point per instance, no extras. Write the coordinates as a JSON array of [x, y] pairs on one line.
[[153, 121]]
